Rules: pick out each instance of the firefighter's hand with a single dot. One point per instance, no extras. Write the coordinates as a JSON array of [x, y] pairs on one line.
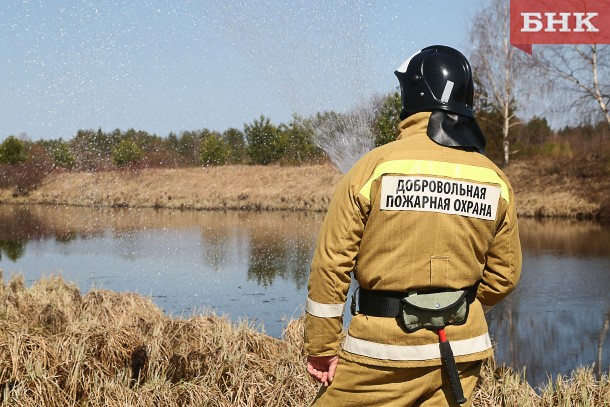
[[322, 368]]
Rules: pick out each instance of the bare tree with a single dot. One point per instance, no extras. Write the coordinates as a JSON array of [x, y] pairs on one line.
[[497, 64], [580, 75]]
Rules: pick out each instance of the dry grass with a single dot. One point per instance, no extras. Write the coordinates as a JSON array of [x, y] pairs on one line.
[[547, 188], [500, 386], [269, 187], [543, 188], [59, 348]]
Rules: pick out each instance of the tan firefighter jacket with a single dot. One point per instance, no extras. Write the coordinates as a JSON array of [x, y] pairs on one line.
[[413, 215]]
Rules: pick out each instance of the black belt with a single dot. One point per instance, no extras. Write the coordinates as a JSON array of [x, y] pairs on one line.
[[380, 303]]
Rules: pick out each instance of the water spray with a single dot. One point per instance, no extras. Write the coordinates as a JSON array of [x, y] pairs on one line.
[[345, 137], [314, 55]]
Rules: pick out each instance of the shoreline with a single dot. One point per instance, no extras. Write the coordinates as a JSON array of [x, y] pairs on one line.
[[273, 187], [236, 187]]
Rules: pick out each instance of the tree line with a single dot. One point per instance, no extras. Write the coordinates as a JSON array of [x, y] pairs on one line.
[[24, 163], [260, 142]]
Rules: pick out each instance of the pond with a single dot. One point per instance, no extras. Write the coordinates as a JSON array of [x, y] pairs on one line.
[[255, 266]]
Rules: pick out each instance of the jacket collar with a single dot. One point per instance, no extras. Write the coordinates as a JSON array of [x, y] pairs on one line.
[[414, 124]]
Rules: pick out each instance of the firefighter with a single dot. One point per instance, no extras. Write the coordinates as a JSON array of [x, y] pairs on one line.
[[427, 227]]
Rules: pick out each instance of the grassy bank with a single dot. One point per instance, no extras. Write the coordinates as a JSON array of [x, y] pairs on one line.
[[212, 188], [61, 348], [543, 188]]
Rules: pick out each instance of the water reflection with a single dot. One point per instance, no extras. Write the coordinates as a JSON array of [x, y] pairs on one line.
[[255, 265], [273, 256], [557, 318], [23, 223], [252, 265], [13, 249], [565, 237]]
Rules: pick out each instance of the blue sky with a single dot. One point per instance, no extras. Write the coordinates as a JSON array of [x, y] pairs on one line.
[[162, 66]]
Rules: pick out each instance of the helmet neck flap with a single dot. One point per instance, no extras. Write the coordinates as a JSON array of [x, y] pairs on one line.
[[453, 130]]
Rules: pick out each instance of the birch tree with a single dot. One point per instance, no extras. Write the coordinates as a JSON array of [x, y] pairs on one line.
[[497, 65], [580, 75]]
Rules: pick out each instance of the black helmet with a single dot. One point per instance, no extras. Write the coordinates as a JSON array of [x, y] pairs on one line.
[[437, 77]]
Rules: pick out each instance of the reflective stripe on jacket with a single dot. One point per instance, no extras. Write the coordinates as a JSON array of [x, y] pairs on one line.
[[413, 215]]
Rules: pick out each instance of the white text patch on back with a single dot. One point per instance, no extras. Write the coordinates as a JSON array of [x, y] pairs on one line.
[[429, 194]]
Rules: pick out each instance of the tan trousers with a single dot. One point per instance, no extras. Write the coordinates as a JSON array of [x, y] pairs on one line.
[[364, 385]]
